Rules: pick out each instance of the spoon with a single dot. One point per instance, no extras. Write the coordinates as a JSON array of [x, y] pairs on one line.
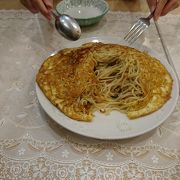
[[67, 26]]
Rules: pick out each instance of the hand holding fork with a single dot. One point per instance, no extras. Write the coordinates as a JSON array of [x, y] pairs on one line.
[[138, 28], [161, 8]]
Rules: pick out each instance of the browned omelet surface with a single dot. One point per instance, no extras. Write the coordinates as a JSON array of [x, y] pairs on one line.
[[69, 76]]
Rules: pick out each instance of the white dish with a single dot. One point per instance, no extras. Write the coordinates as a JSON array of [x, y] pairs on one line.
[[116, 125], [86, 12]]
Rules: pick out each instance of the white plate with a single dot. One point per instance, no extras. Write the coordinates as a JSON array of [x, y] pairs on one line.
[[116, 125]]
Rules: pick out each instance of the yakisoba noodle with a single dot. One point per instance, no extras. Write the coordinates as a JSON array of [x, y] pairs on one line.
[[119, 84], [104, 77]]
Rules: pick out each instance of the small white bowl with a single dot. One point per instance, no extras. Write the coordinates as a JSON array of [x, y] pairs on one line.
[[86, 12]]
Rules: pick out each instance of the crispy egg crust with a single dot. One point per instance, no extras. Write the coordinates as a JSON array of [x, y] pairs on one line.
[[69, 74]]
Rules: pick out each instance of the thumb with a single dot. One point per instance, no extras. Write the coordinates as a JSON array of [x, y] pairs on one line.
[[152, 4], [48, 4], [159, 9]]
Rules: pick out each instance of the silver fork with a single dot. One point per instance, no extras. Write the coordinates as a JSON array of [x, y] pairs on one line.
[[138, 28]]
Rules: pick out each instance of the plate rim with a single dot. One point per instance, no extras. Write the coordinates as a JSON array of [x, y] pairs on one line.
[[107, 38]]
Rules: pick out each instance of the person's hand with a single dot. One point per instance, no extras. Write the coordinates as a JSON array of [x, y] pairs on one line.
[[42, 6], [162, 6]]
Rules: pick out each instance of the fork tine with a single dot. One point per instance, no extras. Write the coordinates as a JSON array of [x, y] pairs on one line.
[[137, 34], [131, 35], [132, 29], [138, 28], [133, 40]]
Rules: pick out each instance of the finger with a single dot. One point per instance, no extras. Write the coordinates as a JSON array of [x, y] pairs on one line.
[[171, 5], [39, 4], [152, 4], [48, 4], [159, 8], [29, 5]]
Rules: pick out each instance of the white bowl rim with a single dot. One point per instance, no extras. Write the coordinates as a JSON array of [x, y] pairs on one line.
[[93, 17]]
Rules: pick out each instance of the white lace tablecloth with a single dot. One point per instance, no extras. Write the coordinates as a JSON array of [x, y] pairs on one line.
[[32, 146]]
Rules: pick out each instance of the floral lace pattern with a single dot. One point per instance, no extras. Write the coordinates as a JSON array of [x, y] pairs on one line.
[[33, 146]]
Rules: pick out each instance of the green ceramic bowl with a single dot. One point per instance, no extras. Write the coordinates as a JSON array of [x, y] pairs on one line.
[[86, 12]]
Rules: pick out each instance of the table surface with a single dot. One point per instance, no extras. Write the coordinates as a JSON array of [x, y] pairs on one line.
[[115, 5], [125, 5], [33, 146]]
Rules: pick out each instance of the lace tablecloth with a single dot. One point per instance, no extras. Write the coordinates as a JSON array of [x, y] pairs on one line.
[[32, 146]]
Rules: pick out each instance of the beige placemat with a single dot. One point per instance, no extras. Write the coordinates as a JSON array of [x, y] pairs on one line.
[[32, 146]]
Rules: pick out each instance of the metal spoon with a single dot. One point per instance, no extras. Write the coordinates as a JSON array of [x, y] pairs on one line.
[[67, 26]]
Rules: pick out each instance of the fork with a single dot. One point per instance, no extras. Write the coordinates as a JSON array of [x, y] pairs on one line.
[[138, 28]]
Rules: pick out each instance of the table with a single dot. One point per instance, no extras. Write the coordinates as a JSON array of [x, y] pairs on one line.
[[32, 146]]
